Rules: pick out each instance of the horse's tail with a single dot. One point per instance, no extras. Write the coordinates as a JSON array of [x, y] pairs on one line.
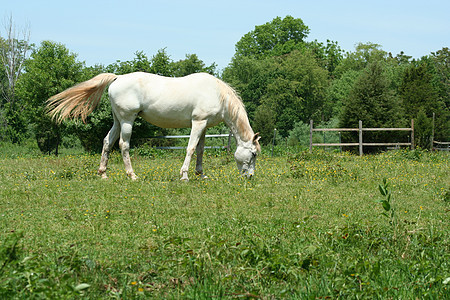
[[79, 100]]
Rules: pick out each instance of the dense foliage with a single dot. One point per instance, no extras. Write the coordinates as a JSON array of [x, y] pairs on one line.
[[284, 80]]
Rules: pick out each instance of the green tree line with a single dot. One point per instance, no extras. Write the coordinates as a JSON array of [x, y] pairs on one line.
[[283, 79]]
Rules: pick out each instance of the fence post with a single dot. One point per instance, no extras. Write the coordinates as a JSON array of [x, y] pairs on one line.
[[432, 133], [274, 136], [412, 134], [310, 135], [229, 142], [360, 139]]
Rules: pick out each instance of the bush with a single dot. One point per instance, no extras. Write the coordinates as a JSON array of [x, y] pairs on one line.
[[299, 134]]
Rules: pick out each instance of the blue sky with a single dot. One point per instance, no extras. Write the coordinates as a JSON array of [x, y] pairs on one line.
[[106, 31]]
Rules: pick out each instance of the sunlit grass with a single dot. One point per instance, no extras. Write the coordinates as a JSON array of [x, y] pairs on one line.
[[306, 226]]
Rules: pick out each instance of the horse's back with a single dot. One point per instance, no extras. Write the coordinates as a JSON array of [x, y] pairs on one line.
[[166, 101], [177, 89]]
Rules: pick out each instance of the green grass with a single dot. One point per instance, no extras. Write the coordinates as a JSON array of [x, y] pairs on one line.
[[308, 226]]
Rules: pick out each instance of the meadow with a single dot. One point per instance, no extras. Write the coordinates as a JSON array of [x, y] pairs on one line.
[[307, 226]]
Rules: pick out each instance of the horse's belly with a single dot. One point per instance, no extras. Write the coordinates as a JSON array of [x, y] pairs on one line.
[[167, 121]]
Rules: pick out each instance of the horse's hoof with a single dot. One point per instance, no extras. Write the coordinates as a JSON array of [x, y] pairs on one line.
[[200, 174], [184, 176], [133, 176]]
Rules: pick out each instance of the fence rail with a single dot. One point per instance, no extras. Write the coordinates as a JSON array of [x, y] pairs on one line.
[[360, 130], [188, 136], [441, 146]]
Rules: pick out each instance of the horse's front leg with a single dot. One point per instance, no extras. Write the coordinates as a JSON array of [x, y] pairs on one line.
[[197, 131], [199, 151]]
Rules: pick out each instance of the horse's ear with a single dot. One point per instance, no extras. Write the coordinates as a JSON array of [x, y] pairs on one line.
[[256, 137]]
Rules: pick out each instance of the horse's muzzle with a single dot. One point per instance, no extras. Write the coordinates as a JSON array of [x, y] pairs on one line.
[[247, 174]]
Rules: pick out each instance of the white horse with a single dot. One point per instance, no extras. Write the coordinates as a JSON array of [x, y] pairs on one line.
[[198, 101]]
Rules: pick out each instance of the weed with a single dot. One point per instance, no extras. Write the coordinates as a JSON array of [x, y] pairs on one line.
[[387, 203]]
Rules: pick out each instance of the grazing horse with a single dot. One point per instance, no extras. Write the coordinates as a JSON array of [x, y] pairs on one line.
[[198, 101]]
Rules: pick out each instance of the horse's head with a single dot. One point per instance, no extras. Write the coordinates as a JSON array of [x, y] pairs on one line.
[[245, 156]]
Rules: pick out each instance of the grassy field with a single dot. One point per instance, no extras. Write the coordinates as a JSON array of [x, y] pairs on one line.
[[308, 226]]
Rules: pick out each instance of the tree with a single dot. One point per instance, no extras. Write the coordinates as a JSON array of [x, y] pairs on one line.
[[358, 60], [298, 91], [51, 69], [338, 92], [13, 52], [291, 88], [420, 99], [422, 129], [280, 36], [439, 62], [141, 63], [329, 56], [417, 91], [372, 100], [277, 72], [192, 64], [161, 63]]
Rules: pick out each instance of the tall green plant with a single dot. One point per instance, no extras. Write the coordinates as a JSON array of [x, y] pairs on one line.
[[388, 205]]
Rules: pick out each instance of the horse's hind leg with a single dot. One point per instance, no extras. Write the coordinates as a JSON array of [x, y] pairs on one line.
[[124, 143], [108, 143]]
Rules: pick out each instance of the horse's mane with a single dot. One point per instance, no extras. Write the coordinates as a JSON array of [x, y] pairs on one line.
[[236, 110]]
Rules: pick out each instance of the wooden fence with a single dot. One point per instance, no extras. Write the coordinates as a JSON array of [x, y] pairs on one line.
[[360, 130], [228, 146], [440, 146]]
